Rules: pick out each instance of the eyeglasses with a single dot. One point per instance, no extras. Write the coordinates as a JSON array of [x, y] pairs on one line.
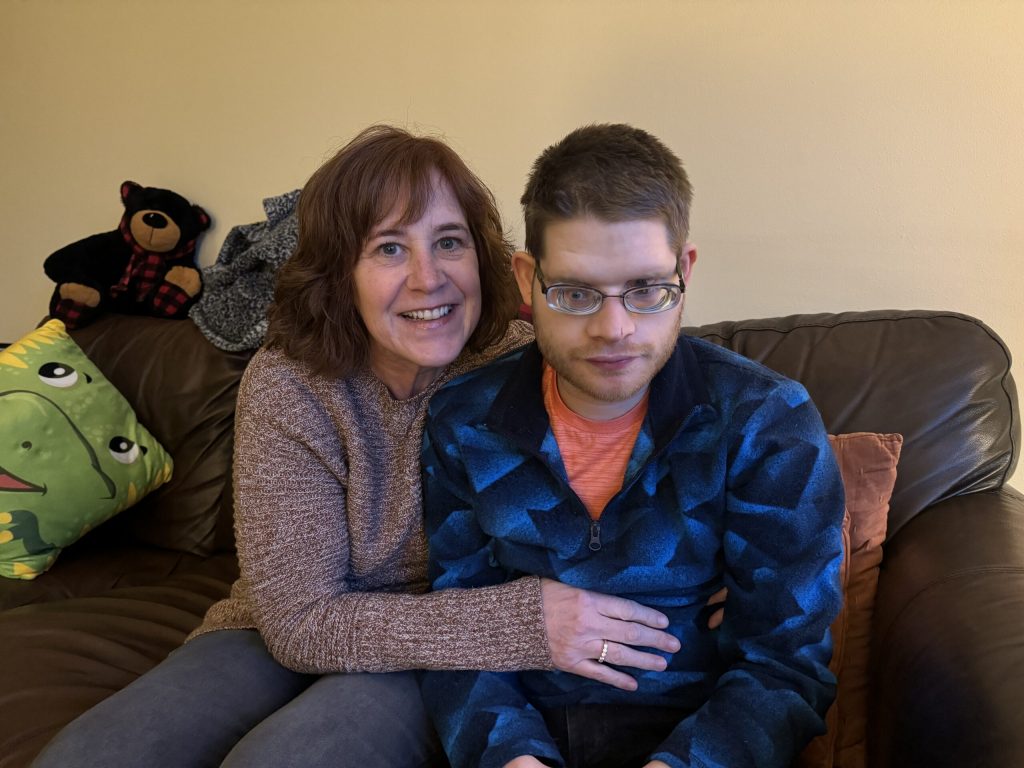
[[584, 300]]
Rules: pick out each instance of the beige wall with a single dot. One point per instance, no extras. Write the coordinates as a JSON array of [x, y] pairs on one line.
[[846, 155]]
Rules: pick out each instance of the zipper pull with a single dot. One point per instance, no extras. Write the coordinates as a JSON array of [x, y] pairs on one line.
[[595, 535]]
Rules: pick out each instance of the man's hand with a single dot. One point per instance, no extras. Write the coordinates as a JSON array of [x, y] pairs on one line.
[[526, 761], [579, 622]]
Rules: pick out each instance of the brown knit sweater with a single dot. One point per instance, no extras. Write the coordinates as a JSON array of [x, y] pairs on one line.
[[328, 523]]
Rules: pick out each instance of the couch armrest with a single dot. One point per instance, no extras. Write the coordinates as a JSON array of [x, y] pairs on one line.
[[948, 638]]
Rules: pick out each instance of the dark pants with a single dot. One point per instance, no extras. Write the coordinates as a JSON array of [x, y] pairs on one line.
[[610, 735], [223, 700]]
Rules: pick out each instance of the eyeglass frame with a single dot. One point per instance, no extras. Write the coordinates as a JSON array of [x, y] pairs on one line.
[[545, 288]]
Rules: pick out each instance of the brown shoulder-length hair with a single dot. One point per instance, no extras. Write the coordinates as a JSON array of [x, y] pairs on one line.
[[313, 318]]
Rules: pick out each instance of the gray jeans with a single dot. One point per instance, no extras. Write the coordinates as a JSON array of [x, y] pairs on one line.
[[222, 700]]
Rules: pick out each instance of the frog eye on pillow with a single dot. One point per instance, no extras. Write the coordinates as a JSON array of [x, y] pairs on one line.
[[72, 452], [124, 450], [59, 375]]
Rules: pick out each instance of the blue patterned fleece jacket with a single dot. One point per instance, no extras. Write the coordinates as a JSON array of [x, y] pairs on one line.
[[731, 483]]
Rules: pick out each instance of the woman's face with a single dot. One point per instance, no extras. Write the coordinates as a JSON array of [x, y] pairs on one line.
[[418, 292]]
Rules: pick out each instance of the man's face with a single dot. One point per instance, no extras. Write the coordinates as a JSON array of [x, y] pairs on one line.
[[606, 360]]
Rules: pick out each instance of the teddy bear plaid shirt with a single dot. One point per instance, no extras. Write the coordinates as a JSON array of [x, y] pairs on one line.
[[145, 272], [731, 483]]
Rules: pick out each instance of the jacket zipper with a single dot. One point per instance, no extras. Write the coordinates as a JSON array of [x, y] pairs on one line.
[[595, 536]]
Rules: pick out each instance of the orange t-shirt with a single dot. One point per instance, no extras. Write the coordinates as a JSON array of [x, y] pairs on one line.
[[595, 453]]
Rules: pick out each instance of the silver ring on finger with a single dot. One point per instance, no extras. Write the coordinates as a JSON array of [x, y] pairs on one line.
[[604, 653]]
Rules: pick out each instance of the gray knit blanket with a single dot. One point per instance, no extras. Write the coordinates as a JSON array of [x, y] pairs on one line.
[[239, 287]]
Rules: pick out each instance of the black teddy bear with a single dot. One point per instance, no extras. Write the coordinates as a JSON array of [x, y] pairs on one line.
[[144, 267]]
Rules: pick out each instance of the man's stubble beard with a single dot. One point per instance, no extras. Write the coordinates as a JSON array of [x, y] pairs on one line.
[[567, 363]]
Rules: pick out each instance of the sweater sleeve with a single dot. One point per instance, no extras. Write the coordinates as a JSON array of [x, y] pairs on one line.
[[483, 718], [294, 554], [782, 549]]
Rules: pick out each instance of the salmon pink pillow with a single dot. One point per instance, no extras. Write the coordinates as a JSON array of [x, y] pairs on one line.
[[867, 462]]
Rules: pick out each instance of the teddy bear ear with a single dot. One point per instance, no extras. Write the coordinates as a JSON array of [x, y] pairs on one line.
[[203, 217], [127, 187]]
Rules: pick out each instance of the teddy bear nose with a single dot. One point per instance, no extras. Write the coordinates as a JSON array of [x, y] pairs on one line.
[[154, 220]]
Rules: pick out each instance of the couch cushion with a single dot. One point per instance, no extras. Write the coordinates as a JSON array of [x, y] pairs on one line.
[[940, 379], [72, 452], [86, 571], [948, 654], [61, 658]]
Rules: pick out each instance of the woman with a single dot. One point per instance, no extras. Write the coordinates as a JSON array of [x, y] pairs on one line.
[[400, 282]]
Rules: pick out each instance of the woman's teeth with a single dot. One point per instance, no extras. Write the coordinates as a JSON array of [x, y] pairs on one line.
[[428, 314]]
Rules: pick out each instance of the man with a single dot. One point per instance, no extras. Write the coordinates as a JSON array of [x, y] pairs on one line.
[[617, 454]]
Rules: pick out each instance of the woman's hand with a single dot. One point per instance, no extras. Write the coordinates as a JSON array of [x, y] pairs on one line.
[[579, 623]]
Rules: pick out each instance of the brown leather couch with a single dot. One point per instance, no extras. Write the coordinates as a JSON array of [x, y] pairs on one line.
[[948, 655]]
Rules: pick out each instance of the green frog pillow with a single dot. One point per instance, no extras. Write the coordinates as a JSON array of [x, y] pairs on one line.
[[72, 452]]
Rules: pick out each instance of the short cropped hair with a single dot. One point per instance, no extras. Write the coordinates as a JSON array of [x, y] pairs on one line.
[[612, 172], [313, 318]]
